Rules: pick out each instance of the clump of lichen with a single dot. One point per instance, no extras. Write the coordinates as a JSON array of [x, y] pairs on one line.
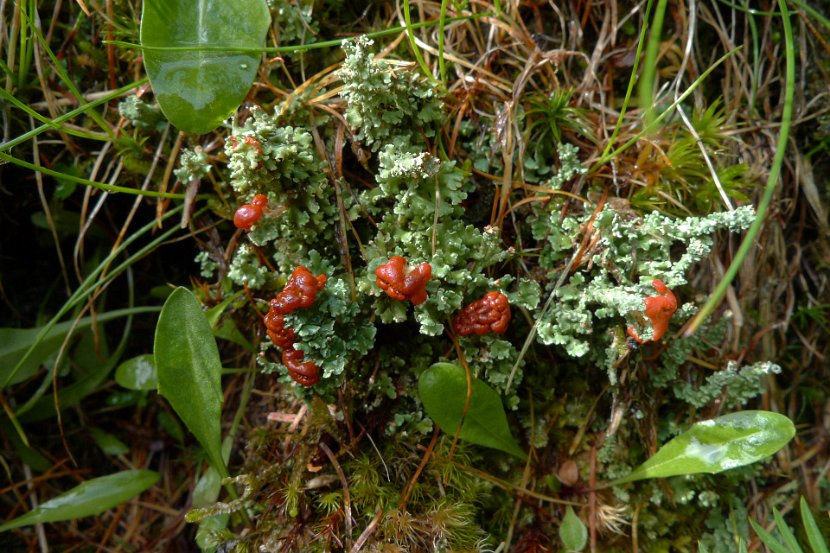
[[296, 23], [413, 201], [194, 165], [334, 333], [611, 286], [385, 105], [281, 163], [141, 114]]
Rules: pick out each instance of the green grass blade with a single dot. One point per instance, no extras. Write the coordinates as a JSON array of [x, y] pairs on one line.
[[86, 182], [89, 283], [811, 528], [67, 80], [45, 120], [442, 23], [608, 157], [785, 531], [82, 296], [813, 13], [780, 150], [646, 84], [70, 114], [300, 47], [74, 393], [768, 540], [15, 342], [631, 81], [411, 34]]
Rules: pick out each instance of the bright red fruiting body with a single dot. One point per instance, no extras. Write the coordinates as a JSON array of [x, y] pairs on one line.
[[299, 292], [277, 331], [488, 314], [249, 214], [659, 309], [402, 284], [306, 373]]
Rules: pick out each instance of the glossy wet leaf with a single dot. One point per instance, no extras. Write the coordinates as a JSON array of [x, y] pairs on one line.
[[138, 373], [189, 370], [719, 444], [443, 391], [572, 532], [200, 85], [93, 497]]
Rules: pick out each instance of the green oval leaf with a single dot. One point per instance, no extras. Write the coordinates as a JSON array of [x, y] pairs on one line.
[[108, 443], [443, 390], [189, 370], [719, 444], [203, 82], [93, 497], [138, 373], [572, 532]]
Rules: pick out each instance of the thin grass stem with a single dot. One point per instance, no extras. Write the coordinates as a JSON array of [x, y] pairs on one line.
[[780, 150]]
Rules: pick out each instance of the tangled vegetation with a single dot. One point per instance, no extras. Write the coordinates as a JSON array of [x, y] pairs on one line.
[[453, 276]]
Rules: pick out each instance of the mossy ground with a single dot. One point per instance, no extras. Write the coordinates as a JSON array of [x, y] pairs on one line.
[[494, 171]]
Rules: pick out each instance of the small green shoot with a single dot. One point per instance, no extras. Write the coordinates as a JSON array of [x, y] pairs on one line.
[[572, 532]]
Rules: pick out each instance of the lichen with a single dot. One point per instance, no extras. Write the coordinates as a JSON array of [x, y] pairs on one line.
[[295, 21], [281, 163], [333, 332], [736, 384], [411, 201], [630, 252], [141, 114], [385, 105], [569, 166], [194, 165], [246, 270], [207, 266]]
